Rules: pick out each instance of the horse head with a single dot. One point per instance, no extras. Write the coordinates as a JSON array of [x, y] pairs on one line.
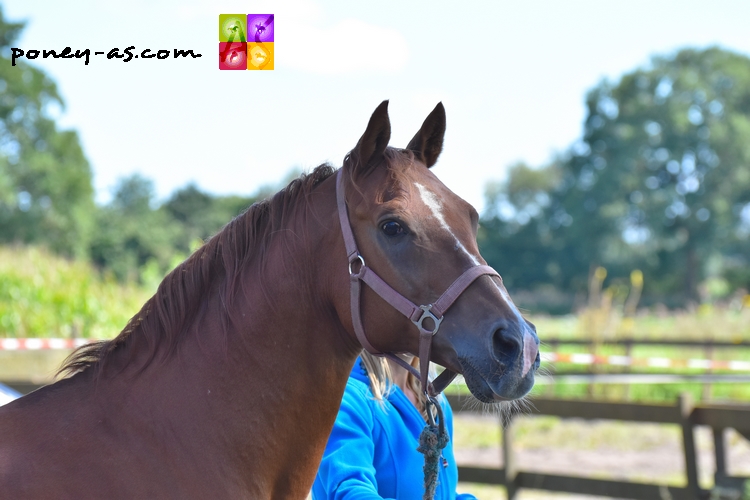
[[419, 237]]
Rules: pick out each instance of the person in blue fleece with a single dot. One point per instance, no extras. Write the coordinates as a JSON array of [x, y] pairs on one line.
[[372, 451]]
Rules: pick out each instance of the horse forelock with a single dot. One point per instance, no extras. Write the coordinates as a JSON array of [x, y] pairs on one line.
[[179, 300], [398, 163]]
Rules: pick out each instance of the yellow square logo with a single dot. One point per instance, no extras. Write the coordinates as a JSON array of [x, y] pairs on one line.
[[260, 56]]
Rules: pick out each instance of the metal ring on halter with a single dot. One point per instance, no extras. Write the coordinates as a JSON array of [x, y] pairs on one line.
[[427, 314], [361, 259], [432, 401]]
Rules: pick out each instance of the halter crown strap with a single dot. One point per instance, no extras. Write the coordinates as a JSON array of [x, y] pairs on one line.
[[417, 314]]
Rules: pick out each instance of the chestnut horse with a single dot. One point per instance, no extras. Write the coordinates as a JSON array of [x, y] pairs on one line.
[[227, 383]]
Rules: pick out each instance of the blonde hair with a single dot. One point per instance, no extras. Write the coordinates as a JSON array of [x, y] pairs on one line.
[[381, 379]]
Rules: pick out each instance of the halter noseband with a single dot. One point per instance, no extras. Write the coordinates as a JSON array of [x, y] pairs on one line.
[[417, 314]]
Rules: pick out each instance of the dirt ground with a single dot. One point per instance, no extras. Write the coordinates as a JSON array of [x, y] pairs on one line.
[[649, 453]]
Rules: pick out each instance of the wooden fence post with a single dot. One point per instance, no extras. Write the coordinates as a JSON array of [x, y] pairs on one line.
[[707, 387], [510, 467], [685, 406], [720, 453], [554, 346], [628, 368]]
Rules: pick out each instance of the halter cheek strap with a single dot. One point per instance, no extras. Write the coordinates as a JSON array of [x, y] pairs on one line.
[[359, 272]]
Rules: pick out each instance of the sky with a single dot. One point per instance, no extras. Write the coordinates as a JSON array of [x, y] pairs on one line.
[[512, 75]]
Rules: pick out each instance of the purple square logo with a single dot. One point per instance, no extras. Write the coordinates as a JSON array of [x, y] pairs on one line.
[[260, 28]]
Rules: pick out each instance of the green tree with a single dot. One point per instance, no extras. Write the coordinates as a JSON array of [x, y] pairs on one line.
[[660, 181], [46, 195], [201, 215], [665, 163], [138, 239], [510, 235], [133, 234]]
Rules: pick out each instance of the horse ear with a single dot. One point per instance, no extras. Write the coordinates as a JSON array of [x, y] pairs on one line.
[[373, 142], [428, 143]]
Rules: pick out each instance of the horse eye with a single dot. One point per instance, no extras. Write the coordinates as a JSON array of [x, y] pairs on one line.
[[392, 228]]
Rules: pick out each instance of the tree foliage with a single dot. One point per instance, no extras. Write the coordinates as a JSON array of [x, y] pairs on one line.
[[659, 181], [200, 215], [46, 195], [508, 237], [46, 192], [131, 232], [138, 239]]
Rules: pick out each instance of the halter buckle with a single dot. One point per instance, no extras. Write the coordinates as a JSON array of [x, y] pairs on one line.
[[355, 259], [427, 314]]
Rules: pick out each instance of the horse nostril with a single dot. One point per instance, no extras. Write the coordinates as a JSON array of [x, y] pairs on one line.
[[507, 345]]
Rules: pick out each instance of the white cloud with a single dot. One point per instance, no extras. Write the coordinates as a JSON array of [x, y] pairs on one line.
[[347, 47]]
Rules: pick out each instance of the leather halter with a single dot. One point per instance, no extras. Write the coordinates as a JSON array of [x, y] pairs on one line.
[[417, 314]]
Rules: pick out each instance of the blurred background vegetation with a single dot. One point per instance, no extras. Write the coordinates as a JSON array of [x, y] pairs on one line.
[[659, 182], [658, 186]]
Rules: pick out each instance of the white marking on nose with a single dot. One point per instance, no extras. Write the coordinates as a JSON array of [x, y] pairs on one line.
[[510, 303], [432, 202], [530, 348]]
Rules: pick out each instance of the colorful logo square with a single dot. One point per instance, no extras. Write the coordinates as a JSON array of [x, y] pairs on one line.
[[246, 41], [232, 28], [260, 28], [260, 56], [233, 55]]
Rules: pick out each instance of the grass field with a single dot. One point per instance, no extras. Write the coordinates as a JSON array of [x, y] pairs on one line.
[[727, 324], [42, 295]]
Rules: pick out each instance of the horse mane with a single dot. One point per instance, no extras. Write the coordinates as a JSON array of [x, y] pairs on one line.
[[177, 302]]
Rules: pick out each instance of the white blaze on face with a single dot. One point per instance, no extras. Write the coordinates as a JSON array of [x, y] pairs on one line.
[[432, 202], [530, 348]]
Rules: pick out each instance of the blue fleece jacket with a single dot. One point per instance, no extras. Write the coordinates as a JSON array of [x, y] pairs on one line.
[[372, 451]]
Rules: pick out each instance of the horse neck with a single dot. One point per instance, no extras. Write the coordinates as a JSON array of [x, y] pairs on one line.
[[266, 390]]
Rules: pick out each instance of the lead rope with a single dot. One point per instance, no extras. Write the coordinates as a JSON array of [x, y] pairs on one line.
[[433, 439]]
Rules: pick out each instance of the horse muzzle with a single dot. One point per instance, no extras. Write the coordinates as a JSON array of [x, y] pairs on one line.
[[510, 373]]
